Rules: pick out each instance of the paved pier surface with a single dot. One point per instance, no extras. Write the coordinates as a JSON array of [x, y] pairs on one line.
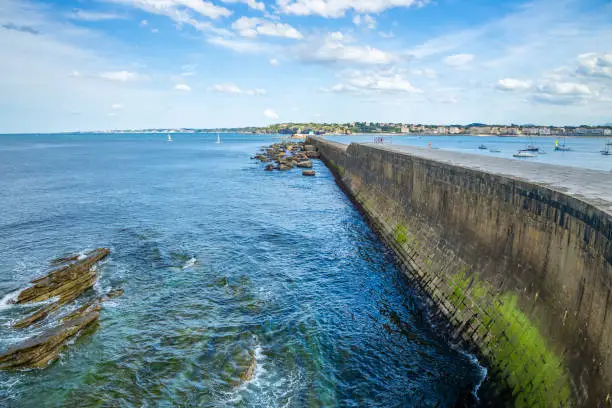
[[592, 186]]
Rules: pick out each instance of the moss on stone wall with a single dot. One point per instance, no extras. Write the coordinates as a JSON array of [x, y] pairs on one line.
[[336, 167], [517, 349]]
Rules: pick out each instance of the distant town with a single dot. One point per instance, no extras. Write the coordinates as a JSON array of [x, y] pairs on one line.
[[399, 128]]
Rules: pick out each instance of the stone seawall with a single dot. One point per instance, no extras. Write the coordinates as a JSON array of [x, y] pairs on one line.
[[523, 270]]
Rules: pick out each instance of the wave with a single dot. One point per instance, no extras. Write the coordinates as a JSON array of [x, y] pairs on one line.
[[9, 299], [190, 263]]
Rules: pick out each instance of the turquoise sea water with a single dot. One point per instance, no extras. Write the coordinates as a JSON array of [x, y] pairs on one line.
[[585, 151], [218, 260]]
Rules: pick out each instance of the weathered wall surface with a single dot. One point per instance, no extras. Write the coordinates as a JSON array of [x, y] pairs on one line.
[[521, 270]]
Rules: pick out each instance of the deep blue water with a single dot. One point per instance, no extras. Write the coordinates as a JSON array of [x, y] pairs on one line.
[[585, 151], [218, 259]]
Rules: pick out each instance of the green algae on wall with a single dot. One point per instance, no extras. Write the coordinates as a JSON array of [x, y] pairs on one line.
[[517, 349]]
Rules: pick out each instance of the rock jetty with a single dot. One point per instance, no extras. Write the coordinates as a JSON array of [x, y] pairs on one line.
[[65, 284], [288, 155]]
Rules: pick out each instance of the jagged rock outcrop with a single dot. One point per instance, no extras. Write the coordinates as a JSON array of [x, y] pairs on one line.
[[42, 349], [66, 282]]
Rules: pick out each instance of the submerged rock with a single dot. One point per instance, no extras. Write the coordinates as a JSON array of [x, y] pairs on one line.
[[270, 167], [67, 282], [247, 375], [44, 348], [309, 173], [112, 294]]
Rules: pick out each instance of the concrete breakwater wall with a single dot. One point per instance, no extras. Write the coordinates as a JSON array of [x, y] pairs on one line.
[[522, 270]]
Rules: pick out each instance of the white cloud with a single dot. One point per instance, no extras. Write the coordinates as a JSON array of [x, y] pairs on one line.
[[426, 72], [254, 4], [458, 60], [143, 23], [180, 11], [240, 46], [595, 65], [75, 74], [269, 113], [366, 20], [252, 27], [387, 34], [120, 76], [85, 15], [182, 88], [336, 48], [374, 82], [274, 62], [563, 93], [338, 8], [511, 84], [235, 89], [117, 106]]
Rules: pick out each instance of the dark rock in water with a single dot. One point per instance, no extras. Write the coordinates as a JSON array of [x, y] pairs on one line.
[[91, 306], [308, 173], [248, 374], [269, 167], [112, 294], [65, 259], [306, 164], [66, 282], [44, 348], [313, 155]]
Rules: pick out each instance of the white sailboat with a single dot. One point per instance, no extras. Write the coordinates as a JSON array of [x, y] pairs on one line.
[[218, 139], [169, 138]]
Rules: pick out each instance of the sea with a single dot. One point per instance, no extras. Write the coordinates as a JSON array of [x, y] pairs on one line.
[[224, 267]]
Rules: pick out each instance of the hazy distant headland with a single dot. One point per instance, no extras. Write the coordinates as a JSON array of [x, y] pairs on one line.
[[396, 128]]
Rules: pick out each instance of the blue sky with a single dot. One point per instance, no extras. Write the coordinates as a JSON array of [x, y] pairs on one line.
[[117, 64]]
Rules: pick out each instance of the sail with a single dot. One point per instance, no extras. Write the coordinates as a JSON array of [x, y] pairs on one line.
[[557, 143]]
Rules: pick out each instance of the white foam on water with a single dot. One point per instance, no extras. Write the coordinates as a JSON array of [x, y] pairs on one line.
[[192, 262], [9, 299]]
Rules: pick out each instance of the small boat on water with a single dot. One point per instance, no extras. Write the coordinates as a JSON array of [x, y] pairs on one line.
[[561, 148], [606, 151], [482, 147], [170, 138], [524, 154], [531, 148], [495, 150], [218, 139]]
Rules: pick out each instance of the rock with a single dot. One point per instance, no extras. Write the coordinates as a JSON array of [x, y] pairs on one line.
[[248, 374], [306, 164], [313, 155], [308, 173], [62, 260], [44, 348], [66, 282], [91, 306], [112, 294], [284, 167], [310, 148], [269, 167]]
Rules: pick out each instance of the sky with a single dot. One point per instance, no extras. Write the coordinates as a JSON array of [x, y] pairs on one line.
[[86, 65]]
